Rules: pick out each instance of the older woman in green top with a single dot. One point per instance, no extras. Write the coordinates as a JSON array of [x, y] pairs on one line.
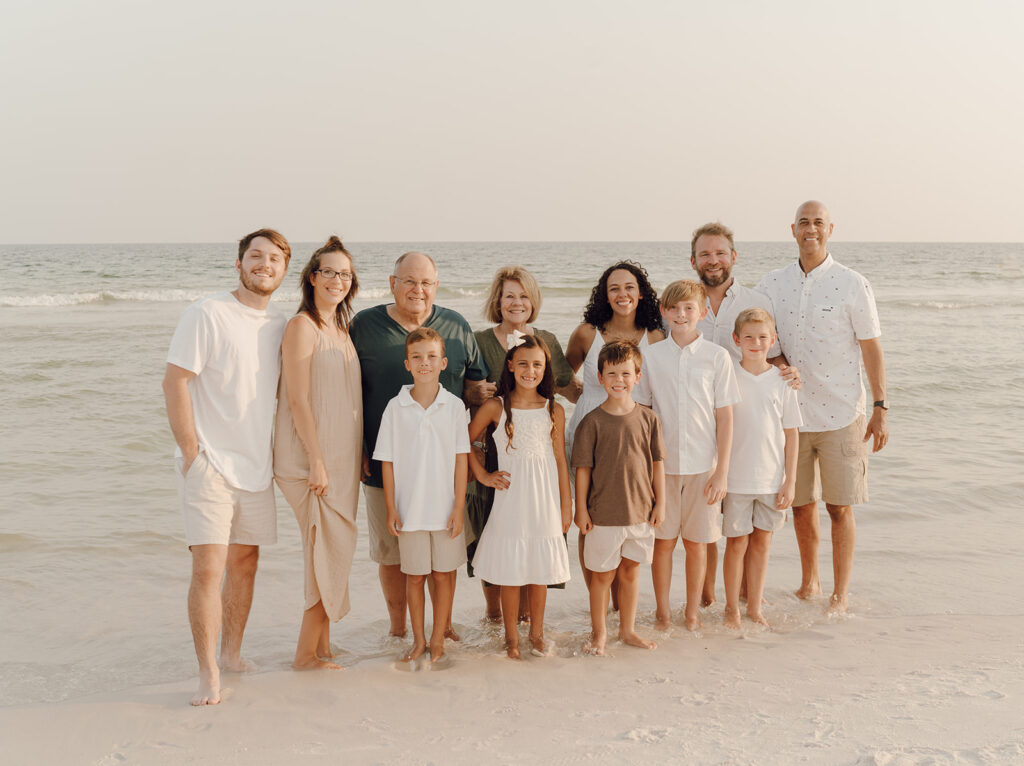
[[512, 303]]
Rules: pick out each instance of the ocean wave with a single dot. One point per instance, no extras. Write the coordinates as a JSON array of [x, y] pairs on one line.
[[102, 296]]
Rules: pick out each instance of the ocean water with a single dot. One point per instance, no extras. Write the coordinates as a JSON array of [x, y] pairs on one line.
[[93, 570]]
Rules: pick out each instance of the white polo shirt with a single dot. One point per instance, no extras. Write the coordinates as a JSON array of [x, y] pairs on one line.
[[719, 327], [821, 317], [235, 353], [422, 445], [768, 406], [685, 386]]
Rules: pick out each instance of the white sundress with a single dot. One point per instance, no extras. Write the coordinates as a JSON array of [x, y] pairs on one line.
[[522, 542]]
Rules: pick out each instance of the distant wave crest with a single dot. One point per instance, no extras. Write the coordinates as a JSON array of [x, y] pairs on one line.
[[102, 296]]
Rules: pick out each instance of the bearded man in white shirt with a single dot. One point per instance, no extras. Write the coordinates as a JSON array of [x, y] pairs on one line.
[[827, 322]]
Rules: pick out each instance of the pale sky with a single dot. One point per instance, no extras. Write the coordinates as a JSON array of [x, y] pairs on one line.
[[127, 121]]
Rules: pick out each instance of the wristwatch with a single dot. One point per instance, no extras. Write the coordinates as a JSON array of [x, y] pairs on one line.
[[883, 404]]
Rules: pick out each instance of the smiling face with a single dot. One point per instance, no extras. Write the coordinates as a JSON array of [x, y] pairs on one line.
[[619, 379], [754, 340], [262, 267], [527, 366], [623, 292], [812, 228], [414, 286], [515, 304], [330, 291], [683, 317], [425, 359], [713, 259]]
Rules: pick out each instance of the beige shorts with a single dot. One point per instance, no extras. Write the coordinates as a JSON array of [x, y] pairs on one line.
[[605, 547], [742, 513], [425, 551], [840, 459], [216, 513], [383, 544], [687, 514]]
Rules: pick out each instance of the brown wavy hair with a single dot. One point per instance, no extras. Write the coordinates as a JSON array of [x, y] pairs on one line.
[[343, 313], [507, 384]]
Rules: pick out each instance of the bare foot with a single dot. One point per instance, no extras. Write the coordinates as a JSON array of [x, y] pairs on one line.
[[524, 618], [451, 635], [440, 662], [808, 591], [595, 646], [512, 650], [316, 664], [707, 599], [325, 652], [632, 639], [397, 632], [493, 616], [537, 646], [837, 604], [693, 623], [208, 693], [417, 651], [662, 622], [758, 618], [732, 617], [237, 665]]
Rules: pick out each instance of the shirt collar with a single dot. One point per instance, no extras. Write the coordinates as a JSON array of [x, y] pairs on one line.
[[689, 348], [405, 397], [820, 269]]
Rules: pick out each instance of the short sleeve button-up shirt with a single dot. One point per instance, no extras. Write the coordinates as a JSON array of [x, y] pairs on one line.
[[685, 386], [718, 328], [821, 317]]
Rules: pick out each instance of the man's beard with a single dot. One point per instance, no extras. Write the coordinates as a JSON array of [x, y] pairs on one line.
[[721, 279], [250, 284]]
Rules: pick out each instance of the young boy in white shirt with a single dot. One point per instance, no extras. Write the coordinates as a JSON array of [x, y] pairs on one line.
[[691, 385], [423, 446], [619, 457], [762, 469]]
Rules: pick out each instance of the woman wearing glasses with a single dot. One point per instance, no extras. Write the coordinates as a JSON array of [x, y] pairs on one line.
[[318, 442]]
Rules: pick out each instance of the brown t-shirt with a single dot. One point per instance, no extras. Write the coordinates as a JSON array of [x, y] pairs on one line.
[[621, 450]]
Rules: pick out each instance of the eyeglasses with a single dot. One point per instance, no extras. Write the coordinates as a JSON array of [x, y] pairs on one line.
[[423, 284], [344, 276]]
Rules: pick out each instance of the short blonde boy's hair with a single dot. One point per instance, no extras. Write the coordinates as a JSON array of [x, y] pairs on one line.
[[751, 316], [683, 290], [492, 306], [423, 333]]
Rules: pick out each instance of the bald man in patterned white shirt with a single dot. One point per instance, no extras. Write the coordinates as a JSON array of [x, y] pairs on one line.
[[827, 322]]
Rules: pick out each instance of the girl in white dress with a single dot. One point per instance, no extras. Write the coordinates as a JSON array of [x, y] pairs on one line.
[[523, 541]]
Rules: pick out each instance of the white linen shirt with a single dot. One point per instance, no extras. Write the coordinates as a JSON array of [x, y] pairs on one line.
[[685, 386], [757, 464], [719, 327], [422, 445], [820, 317], [235, 352]]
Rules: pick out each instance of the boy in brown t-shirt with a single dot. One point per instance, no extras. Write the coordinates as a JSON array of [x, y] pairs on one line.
[[618, 454]]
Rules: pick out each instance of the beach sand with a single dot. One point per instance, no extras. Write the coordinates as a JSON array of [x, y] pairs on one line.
[[899, 690]]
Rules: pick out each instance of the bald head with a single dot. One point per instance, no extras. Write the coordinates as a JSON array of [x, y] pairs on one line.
[[811, 230], [415, 261]]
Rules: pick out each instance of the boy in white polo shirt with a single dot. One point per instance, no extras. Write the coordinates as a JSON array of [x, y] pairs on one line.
[[690, 383], [423, 446], [762, 469]]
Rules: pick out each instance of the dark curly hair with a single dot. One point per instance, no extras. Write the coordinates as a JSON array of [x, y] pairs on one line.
[[507, 383], [599, 310]]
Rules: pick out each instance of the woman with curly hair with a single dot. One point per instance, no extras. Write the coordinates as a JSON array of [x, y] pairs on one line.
[[623, 306]]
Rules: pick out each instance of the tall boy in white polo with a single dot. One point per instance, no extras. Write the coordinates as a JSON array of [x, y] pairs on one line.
[[688, 386]]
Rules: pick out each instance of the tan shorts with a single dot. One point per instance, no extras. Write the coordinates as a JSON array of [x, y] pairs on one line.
[[216, 513], [383, 544], [840, 459], [742, 513], [687, 514], [605, 547], [425, 551]]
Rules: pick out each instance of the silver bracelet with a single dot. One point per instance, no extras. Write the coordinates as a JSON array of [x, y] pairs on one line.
[[482, 446]]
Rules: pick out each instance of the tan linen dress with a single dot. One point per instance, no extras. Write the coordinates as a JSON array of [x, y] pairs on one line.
[[328, 522]]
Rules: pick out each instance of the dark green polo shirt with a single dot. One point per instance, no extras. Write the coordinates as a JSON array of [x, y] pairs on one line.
[[380, 344]]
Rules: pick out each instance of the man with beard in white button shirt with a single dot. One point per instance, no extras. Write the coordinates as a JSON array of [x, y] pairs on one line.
[[712, 256], [827, 322]]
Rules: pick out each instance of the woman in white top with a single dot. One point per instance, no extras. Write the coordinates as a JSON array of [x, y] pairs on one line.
[[623, 306]]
